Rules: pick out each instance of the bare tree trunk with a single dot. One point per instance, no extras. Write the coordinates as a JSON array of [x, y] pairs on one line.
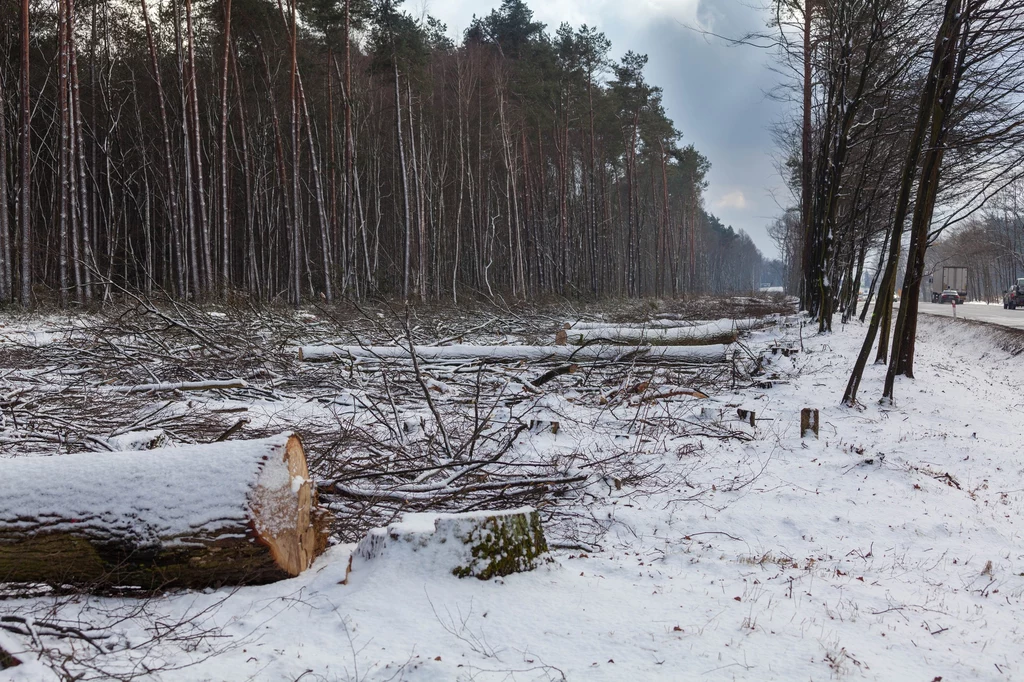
[[327, 260], [225, 266], [63, 173], [663, 227], [86, 263], [296, 231], [592, 194], [294, 274], [24, 206], [421, 224], [193, 265], [909, 172], [204, 219], [147, 194], [340, 235], [349, 178], [250, 271], [175, 241], [955, 45], [6, 279], [806, 169], [405, 186], [631, 208]]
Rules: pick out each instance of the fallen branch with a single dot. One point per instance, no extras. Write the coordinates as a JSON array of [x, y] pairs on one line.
[[211, 385], [398, 495]]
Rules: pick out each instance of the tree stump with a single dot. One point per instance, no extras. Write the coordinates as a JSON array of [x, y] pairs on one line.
[[235, 512], [482, 545], [7, 660], [808, 422]]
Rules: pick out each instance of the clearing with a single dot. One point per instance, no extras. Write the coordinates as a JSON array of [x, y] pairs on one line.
[[686, 543]]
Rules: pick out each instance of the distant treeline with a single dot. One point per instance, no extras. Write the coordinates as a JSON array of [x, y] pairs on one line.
[[330, 148]]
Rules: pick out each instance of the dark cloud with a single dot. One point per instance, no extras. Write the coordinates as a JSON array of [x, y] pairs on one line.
[[715, 93]]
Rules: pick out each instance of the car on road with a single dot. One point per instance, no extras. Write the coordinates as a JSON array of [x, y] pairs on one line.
[[1014, 297], [950, 296]]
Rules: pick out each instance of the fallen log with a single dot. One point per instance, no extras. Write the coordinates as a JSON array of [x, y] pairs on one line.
[[236, 512], [466, 353], [712, 333], [742, 324]]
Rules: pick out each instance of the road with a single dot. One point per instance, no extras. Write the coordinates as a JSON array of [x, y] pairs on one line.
[[993, 314]]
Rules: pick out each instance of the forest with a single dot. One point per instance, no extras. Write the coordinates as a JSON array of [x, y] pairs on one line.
[[908, 133], [326, 149], [337, 347]]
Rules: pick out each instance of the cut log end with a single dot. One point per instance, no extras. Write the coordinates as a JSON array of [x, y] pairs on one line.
[[282, 510]]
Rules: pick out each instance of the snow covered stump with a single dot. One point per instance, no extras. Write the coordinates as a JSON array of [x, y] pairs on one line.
[[236, 512], [7, 660], [483, 545]]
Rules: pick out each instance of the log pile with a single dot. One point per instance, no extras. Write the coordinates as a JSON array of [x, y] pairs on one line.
[[236, 512]]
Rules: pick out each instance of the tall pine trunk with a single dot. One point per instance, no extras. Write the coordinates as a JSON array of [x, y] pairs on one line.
[[25, 162]]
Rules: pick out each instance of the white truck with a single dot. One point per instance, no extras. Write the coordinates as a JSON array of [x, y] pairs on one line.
[[947, 280]]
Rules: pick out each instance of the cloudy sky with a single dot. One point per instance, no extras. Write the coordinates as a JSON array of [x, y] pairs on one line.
[[715, 93]]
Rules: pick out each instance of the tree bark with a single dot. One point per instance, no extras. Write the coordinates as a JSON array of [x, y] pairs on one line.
[[236, 512]]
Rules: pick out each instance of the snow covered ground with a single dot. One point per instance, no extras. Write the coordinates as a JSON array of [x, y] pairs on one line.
[[889, 548]]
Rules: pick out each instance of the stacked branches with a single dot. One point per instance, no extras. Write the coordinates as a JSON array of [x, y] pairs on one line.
[[384, 432]]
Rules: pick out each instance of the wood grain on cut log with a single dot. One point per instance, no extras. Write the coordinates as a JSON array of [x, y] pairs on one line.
[[237, 512]]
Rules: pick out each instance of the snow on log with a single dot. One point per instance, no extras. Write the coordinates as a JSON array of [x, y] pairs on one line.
[[743, 324], [482, 545], [466, 353], [721, 332], [236, 512]]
